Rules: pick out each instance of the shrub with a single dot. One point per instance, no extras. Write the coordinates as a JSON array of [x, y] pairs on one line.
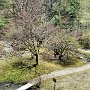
[[85, 40], [64, 46]]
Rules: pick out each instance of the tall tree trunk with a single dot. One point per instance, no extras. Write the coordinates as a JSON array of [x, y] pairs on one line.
[[60, 57], [55, 55], [36, 59]]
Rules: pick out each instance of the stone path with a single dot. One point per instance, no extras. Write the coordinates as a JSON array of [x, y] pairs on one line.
[[53, 75]]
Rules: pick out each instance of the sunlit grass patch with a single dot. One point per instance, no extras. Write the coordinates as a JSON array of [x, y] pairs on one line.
[[24, 73]]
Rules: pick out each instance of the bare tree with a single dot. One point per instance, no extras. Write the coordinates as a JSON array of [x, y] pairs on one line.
[[27, 18], [63, 45], [26, 15]]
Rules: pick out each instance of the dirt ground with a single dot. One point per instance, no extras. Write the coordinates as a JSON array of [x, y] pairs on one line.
[[76, 81]]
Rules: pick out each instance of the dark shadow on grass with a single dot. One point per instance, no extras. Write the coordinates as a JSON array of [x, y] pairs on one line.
[[64, 63], [67, 63], [21, 65], [32, 66]]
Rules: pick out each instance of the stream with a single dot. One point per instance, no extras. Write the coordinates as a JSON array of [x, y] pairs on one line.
[[8, 86], [11, 86]]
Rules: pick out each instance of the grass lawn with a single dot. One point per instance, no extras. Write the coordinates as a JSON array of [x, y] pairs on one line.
[[76, 81], [21, 70]]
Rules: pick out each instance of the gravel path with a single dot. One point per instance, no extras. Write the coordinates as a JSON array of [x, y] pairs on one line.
[[54, 74], [65, 72]]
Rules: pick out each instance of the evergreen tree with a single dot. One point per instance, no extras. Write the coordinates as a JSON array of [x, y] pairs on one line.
[[65, 13]]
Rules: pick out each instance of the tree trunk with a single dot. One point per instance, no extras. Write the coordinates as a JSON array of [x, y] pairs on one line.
[[36, 59], [60, 57], [55, 55]]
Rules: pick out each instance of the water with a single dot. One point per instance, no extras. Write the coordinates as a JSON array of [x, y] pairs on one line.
[[9, 86]]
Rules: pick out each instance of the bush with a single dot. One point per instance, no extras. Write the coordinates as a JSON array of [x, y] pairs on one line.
[[64, 46], [85, 40]]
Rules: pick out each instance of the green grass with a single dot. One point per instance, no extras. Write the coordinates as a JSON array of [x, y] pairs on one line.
[[20, 70], [79, 63], [86, 52], [12, 71], [3, 22], [76, 81]]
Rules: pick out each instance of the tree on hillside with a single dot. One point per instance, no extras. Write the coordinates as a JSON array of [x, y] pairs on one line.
[[2, 4], [64, 13], [25, 19], [84, 40]]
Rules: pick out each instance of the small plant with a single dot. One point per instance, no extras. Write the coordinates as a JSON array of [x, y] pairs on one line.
[[85, 40]]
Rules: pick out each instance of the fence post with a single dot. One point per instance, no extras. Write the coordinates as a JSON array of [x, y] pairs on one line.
[[54, 80]]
